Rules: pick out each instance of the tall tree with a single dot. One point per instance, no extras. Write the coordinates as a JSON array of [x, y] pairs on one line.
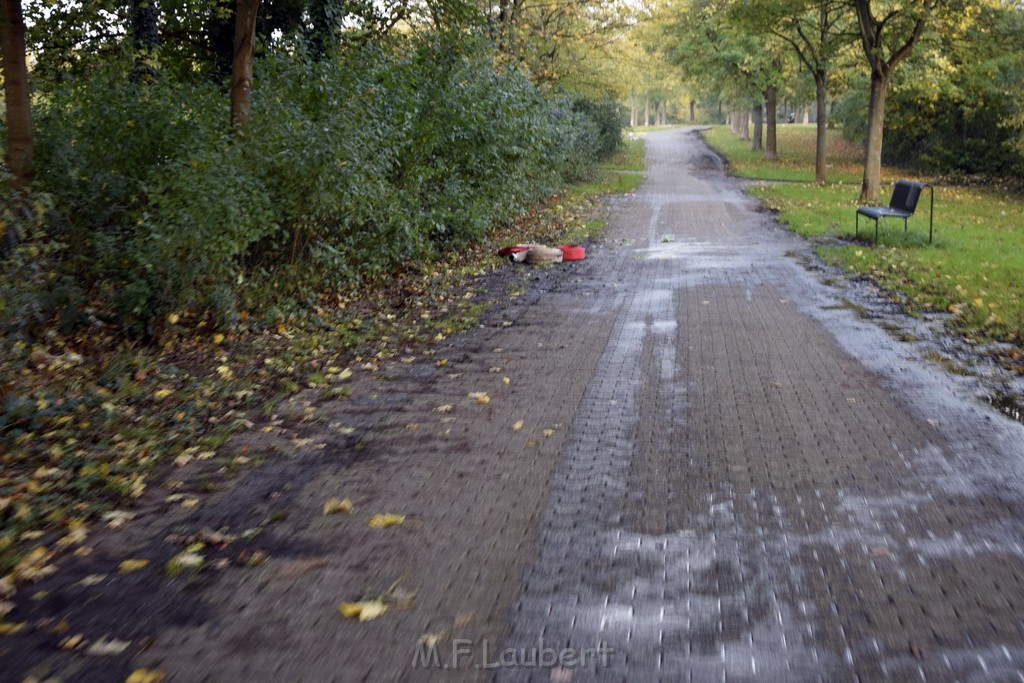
[[145, 35], [817, 31], [20, 147], [887, 40], [241, 64]]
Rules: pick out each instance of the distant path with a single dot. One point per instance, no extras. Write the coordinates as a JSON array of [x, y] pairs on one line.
[[698, 459], [741, 498]]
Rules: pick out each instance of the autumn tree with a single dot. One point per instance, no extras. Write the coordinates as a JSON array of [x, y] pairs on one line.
[[888, 33], [817, 31], [241, 65], [20, 148]]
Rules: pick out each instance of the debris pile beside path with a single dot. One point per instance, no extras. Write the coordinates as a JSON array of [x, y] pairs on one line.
[[540, 253]]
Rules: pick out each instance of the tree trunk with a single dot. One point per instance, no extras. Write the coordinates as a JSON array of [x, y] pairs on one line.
[[632, 114], [662, 117], [771, 143], [744, 118], [693, 111], [873, 146], [20, 147], [757, 113], [822, 122], [241, 64], [145, 35], [647, 111], [807, 115]]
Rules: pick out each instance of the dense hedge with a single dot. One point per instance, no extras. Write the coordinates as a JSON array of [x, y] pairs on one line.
[[351, 165]]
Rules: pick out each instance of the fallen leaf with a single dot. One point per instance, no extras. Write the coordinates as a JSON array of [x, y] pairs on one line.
[[117, 518], [431, 639], [345, 374], [334, 506], [384, 521], [128, 566], [364, 610], [480, 396], [186, 561], [6, 608], [517, 426], [107, 648], [506, 380], [71, 642], [146, 676], [92, 580], [7, 629], [218, 338], [549, 432], [162, 393], [446, 408]]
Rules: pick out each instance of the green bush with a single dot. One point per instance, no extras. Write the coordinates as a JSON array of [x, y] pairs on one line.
[[351, 165]]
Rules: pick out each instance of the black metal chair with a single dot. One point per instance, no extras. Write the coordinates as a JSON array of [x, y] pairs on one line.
[[902, 205]]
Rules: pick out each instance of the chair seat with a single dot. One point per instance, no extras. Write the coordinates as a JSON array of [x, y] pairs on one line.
[[877, 212]]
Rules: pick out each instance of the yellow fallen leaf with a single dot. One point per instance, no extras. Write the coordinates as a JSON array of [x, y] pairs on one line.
[[132, 566], [446, 408], [173, 318], [163, 393], [384, 521], [334, 505], [145, 676], [345, 374], [364, 610], [979, 302], [431, 639], [218, 338], [8, 628], [107, 648], [517, 426], [506, 380], [71, 642], [480, 397], [549, 432]]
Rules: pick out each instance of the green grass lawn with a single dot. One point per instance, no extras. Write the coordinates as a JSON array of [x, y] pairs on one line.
[[974, 269]]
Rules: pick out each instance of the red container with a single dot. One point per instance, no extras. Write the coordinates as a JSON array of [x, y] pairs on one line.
[[573, 252]]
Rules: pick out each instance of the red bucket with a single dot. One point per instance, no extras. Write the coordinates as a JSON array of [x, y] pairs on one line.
[[573, 252]]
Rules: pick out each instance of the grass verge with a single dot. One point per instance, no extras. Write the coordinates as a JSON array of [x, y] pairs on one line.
[[88, 421], [972, 270]]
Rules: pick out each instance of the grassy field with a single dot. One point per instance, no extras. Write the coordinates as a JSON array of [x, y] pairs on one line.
[[973, 269]]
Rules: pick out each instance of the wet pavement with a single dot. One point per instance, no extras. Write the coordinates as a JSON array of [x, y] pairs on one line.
[[696, 464], [760, 486]]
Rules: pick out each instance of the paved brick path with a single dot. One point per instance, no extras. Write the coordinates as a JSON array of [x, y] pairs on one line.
[[739, 498], [721, 475]]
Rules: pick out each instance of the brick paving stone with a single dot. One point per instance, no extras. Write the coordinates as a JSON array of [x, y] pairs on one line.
[[741, 482], [751, 502]]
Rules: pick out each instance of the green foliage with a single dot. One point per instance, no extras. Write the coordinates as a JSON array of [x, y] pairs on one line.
[[353, 165], [953, 108]]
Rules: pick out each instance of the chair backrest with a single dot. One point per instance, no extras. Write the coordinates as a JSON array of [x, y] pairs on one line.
[[905, 195]]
